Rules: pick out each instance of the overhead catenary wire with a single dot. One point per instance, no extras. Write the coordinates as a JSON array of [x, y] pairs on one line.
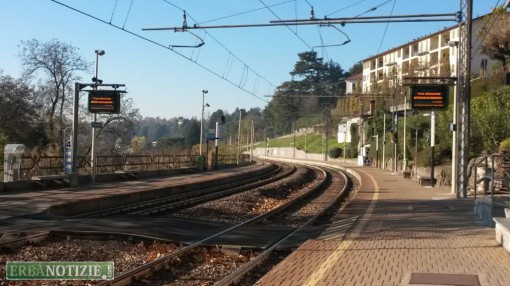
[[128, 13], [325, 22], [160, 45], [113, 11], [322, 46], [371, 9], [245, 12], [386, 29], [200, 48], [296, 34], [453, 17], [217, 41], [336, 45], [324, 51], [347, 7]]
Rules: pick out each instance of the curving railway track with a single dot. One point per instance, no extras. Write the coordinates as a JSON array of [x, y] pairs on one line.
[[294, 198]]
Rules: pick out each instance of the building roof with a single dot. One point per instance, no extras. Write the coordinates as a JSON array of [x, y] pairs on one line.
[[355, 77], [421, 38]]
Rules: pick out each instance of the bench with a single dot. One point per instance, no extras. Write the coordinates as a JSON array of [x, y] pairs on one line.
[[407, 174], [127, 174], [45, 179], [426, 181]]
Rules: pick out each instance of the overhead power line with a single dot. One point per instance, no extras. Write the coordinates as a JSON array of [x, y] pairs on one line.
[[347, 7], [165, 47], [452, 17], [296, 34], [386, 28], [246, 67], [245, 12]]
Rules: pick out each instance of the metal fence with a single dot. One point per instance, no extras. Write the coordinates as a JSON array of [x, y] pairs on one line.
[[51, 165], [492, 174]]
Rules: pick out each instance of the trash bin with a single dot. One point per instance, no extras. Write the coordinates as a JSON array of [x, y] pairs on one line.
[[12, 161]]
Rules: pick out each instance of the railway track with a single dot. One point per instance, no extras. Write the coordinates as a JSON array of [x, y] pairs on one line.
[[141, 275], [301, 210], [189, 198]]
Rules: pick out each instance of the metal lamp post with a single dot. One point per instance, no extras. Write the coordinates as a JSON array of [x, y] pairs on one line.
[[384, 142], [345, 142], [92, 151], [432, 144], [202, 127], [376, 150], [416, 153], [405, 162]]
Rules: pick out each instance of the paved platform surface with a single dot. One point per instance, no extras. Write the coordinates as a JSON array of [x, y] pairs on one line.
[[405, 234], [29, 202]]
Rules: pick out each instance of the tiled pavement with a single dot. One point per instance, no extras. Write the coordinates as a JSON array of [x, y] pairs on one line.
[[404, 229]]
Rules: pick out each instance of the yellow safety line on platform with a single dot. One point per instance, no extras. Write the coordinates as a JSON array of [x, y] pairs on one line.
[[318, 276]]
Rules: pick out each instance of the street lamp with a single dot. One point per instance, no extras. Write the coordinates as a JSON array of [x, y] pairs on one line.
[[405, 162], [202, 125], [416, 153], [376, 150], [92, 151], [455, 148], [432, 143]]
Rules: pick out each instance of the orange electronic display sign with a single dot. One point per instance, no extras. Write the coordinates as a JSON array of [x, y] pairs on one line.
[[429, 97], [104, 101]]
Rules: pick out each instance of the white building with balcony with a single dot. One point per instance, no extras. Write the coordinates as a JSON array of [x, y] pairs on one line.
[[352, 82], [432, 55]]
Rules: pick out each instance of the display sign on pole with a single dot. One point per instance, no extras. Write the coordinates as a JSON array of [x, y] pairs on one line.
[[104, 101], [429, 97]]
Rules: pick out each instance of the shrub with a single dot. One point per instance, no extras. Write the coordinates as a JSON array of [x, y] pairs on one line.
[[504, 145], [335, 152]]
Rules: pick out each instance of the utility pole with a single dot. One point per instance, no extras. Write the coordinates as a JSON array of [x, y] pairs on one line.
[[416, 154], [251, 150], [404, 167], [239, 138], [217, 135], [464, 95], [384, 142], [93, 162]]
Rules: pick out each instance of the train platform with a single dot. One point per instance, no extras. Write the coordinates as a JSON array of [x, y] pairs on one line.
[[18, 204], [404, 234]]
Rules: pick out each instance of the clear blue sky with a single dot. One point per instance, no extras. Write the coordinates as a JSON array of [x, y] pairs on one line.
[[167, 84]]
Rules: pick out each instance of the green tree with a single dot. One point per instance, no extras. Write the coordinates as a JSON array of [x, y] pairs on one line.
[[357, 68], [496, 35], [313, 87], [19, 116], [170, 145], [490, 117], [352, 149]]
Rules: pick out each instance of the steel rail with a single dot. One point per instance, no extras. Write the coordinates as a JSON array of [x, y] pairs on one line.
[[173, 198], [236, 276], [212, 196], [148, 268], [19, 241]]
